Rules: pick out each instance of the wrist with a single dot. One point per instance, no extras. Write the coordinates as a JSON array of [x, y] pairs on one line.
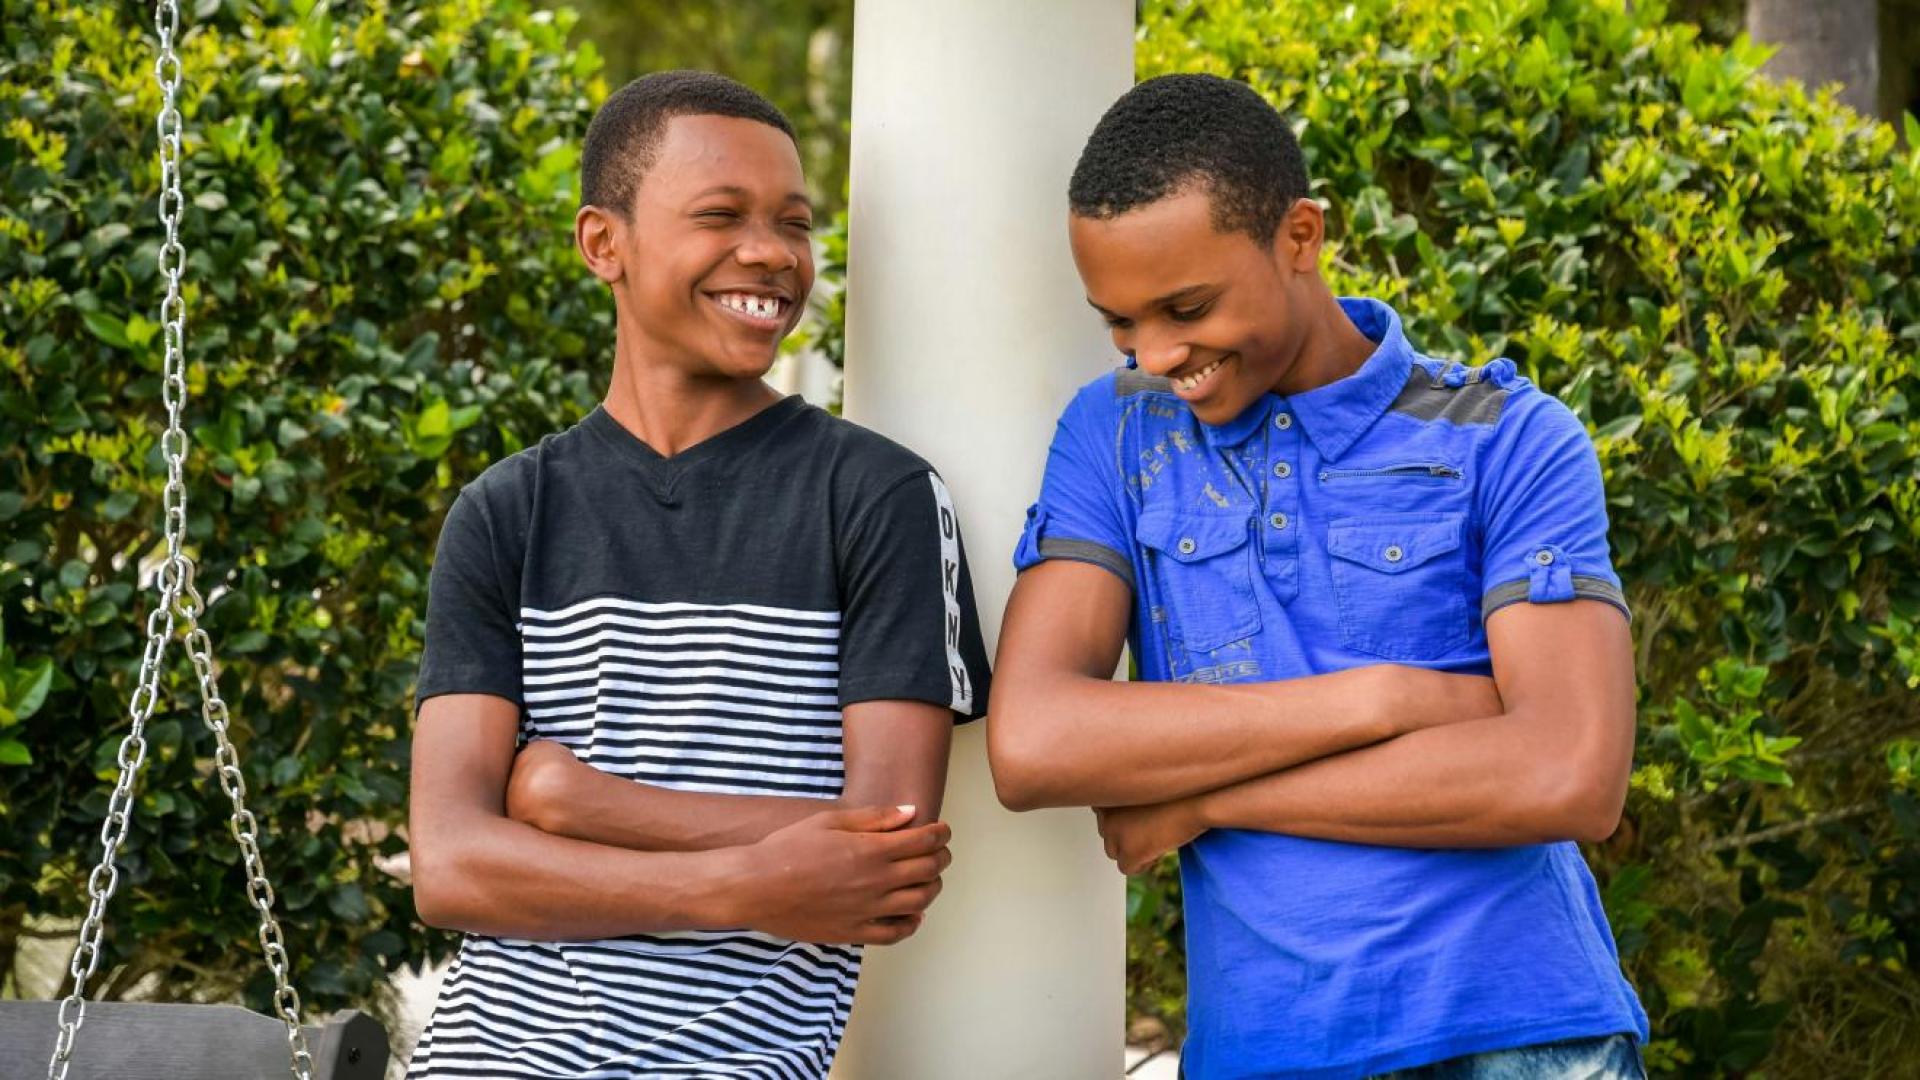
[[1384, 690], [723, 896], [1196, 813]]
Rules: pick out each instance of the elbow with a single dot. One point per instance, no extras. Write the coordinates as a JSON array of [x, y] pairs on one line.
[[438, 895], [1585, 809], [1018, 757]]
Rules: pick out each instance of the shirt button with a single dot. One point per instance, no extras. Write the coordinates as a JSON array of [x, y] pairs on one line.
[[1544, 558], [1283, 421], [1394, 553], [1186, 545], [1283, 470], [1278, 521]]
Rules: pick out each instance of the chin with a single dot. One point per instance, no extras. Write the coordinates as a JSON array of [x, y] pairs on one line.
[[746, 367], [1221, 408]]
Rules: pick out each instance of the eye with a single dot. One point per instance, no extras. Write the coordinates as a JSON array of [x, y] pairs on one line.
[[716, 215], [803, 224], [1190, 314], [1114, 322]]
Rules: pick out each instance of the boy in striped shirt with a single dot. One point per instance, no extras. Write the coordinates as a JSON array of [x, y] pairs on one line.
[[691, 665]]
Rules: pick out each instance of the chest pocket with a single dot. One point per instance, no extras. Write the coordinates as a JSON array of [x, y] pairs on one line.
[[1400, 582], [1203, 566]]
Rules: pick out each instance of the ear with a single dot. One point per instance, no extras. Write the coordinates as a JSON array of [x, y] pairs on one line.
[[596, 235], [1298, 239]]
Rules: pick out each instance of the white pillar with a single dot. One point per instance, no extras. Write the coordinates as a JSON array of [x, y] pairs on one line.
[[967, 331]]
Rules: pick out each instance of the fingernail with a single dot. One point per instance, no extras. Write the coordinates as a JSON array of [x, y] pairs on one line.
[[905, 808]]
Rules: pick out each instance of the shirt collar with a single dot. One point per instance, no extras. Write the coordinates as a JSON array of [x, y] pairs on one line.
[[1334, 416]]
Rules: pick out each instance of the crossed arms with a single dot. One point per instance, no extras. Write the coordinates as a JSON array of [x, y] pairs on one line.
[[541, 846], [1381, 755]]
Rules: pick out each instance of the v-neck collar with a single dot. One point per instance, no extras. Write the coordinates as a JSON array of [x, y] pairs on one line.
[[663, 474]]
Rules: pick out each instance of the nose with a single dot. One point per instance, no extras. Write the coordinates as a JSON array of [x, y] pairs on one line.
[[761, 245], [1157, 353]]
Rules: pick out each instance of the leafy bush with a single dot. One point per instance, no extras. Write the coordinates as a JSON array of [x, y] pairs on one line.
[[382, 298], [1719, 274]]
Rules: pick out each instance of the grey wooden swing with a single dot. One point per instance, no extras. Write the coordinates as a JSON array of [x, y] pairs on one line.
[[142, 1041]]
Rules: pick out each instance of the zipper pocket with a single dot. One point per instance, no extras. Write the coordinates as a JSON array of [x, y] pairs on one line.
[[1426, 470]]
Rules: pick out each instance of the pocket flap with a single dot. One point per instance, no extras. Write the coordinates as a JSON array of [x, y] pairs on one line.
[[1394, 543], [1190, 537]]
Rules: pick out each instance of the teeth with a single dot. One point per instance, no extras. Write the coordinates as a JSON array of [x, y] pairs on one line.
[[1190, 381], [760, 307]]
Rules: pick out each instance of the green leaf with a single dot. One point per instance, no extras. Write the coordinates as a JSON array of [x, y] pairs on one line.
[[30, 685], [14, 752], [434, 420], [348, 902], [107, 328], [74, 572], [248, 641], [118, 505]]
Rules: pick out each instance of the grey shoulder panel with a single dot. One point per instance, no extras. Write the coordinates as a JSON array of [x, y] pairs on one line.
[[1473, 402], [1585, 587], [1131, 381], [1087, 551]]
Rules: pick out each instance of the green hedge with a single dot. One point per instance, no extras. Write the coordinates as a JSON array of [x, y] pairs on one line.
[[382, 298], [1719, 274]]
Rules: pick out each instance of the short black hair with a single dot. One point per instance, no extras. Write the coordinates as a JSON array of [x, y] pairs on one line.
[[1179, 130], [625, 134]]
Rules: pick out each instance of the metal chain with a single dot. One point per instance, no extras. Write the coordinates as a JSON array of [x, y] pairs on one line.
[[178, 611]]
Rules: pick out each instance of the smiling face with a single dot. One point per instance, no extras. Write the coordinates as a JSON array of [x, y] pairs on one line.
[[1211, 310], [713, 264]]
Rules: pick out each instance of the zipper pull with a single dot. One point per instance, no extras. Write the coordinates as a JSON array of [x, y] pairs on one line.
[[1446, 471]]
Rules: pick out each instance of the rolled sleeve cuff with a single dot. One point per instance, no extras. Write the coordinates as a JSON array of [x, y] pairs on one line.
[[1581, 587], [1036, 547], [1087, 551]]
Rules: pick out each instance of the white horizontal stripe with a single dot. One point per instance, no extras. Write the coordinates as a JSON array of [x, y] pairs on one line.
[[573, 731], [796, 751], [654, 772], [778, 766], [778, 650], [550, 656], [615, 660], [605, 684], [616, 603], [679, 623], [631, 705]]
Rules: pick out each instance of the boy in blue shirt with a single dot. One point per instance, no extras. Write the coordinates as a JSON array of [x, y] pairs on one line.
[[1387, 679]]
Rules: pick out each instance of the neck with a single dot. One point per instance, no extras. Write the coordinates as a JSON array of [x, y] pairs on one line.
[[670, 410], [1331, 347]]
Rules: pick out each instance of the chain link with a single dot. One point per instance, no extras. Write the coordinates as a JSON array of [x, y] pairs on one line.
[[178, 612]]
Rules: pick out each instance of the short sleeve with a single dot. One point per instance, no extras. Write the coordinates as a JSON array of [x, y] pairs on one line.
[[1079, 516], [909, 629], [473, 643], [1544, 512]]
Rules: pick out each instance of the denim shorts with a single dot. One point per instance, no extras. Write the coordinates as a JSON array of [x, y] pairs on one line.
[[1612, 1057]]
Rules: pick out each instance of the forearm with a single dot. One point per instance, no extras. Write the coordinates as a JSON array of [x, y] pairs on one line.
[[606, 809], [1077, 741], [492, 875], [1494, 782]]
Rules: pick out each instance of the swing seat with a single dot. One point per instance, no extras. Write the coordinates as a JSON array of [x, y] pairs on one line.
[[125, 1040]]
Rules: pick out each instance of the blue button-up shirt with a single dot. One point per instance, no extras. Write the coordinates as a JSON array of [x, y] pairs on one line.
[[1380, 518]]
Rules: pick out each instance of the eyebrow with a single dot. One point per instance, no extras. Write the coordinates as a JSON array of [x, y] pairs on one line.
[[1168, 300], [739, 192]]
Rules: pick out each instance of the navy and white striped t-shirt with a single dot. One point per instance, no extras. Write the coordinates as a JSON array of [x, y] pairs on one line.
[[694, 622]]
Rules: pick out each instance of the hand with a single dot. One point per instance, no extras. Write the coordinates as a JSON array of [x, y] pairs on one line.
[[1136, 836], [1411, 699], [845, 876], [544, 774]]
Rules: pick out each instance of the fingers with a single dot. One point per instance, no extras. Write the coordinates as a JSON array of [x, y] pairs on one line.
[[887, 931], [912, 900], [917, 841], [918, 870], [866, 818]]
